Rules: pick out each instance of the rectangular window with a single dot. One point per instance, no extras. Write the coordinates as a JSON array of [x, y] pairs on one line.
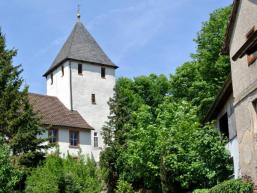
[[53, 135], [80, 69], [103, 72], [252, 53], [52, 78], [62, 70], [223, 123], [95, 139], [74, 138], [93, 99]]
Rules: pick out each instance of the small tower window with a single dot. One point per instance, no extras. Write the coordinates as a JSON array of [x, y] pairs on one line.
[[103, 72], [80, 69], [93, 99], [52, 78], [95, 139], [62, 70]]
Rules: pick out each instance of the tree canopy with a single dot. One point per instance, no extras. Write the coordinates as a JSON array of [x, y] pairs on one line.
[[19, 126], [156, 140]]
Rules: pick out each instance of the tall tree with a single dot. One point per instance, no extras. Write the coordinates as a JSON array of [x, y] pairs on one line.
[[200, 79], [154, 136], [19, 125]]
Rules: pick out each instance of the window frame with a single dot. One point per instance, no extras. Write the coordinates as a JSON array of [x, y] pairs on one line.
[[93, 98], [252, 54], [103, 72], [50, 136], [96, 141], [80, 69], [222, 124], [78, 140]]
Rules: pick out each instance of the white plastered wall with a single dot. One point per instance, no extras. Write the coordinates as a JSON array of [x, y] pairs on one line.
[[61, 84], [83, 86]]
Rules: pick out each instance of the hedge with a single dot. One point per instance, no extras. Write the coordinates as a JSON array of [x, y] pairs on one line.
[[230, 186]]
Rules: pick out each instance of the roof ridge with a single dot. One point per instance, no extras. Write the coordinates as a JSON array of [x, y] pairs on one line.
[[72, 38], [42, 95]]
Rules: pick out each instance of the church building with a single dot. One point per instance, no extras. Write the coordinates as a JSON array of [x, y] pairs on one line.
[[79, 82]]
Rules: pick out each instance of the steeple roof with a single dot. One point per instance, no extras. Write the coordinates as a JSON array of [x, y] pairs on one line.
[[81, 46]]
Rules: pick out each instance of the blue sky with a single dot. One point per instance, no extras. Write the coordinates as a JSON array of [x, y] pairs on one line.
[[140, 36]]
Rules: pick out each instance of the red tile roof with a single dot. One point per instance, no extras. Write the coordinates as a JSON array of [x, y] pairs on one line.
[[54, 113]]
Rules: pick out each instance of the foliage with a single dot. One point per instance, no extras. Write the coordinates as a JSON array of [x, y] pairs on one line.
[[199, 81], [128, 98], [124, 187], [155, 137], [9, 176], [19, 125], [163, 147], [232, 186], [59, 175], [201, 191]]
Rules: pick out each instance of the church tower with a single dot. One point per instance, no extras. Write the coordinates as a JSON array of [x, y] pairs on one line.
[[82, 77]]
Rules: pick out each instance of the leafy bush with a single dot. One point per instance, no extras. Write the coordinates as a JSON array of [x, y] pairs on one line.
[[9, 176], [232, 186], [59, 175], [201, 191], [124, 187]]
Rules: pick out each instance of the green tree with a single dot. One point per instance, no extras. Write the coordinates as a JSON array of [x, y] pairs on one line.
[[191, 155], [199, 81], [19, 125], [9, 176], [155, 137], [172, 150]]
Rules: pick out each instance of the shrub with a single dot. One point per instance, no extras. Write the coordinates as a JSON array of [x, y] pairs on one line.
[[59, 175], [124, 187], [9, 176], [201, 191], [232, 186]]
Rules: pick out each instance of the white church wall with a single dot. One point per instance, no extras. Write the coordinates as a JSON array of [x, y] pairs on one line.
[[83, 86], [64, 147], [61, 84], [84, 145]]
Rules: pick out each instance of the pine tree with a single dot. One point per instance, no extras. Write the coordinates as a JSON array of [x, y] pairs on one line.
[[19, 125]]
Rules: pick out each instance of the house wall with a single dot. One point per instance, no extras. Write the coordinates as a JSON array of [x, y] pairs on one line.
[[83, 86], [61, 85], [244, 78], [232, 144], [84, 147]]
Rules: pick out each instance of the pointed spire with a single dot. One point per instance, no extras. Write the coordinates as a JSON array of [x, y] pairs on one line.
[[81, 46], [78, 12]]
